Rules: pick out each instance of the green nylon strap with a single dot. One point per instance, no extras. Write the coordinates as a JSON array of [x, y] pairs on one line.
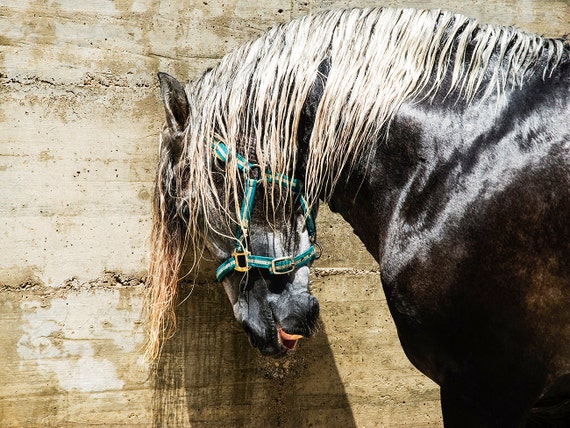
[[241, 260], [309, 217], [222, 152], [245, 210], [276, 266]]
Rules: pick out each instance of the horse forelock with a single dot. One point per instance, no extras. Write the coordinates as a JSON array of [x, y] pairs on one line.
[[253, 101]]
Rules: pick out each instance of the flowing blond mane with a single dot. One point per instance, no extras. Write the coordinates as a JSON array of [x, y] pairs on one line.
[[253, 100]]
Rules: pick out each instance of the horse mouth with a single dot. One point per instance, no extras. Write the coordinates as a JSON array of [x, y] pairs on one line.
[[288, 341]]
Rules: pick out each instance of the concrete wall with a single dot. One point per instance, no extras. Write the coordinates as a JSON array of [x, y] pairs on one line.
[[79, 115]]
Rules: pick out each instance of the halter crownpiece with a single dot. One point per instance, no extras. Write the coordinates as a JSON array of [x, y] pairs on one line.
[[242, 260]]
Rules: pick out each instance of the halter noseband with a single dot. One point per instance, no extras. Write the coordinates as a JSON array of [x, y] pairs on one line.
[[241, 259]]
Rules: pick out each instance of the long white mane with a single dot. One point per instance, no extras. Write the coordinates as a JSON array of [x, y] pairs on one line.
[[377, 58]]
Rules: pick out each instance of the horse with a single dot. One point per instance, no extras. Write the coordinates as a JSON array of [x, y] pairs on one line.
[[445, 144]]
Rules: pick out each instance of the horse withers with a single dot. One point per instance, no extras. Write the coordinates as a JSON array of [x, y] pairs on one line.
[[444, 143]]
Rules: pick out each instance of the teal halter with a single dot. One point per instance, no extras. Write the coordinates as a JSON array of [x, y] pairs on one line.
[[241, 259]]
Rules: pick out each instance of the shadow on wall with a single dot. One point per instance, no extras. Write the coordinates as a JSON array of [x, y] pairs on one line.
[[209, 375]]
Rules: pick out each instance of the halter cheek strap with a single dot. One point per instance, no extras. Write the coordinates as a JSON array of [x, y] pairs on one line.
[[241, 259]]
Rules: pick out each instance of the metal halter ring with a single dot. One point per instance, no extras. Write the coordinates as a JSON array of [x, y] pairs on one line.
[[254, 172], [318, 253]]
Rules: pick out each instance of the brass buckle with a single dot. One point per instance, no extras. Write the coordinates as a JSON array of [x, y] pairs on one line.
[[278, 270], [241, 259]]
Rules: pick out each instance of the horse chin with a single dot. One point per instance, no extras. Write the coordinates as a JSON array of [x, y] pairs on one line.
[[277, 345], [274, 349]]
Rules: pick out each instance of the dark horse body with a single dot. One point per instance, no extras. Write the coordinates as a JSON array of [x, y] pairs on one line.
[[465, 204], [471, 229]]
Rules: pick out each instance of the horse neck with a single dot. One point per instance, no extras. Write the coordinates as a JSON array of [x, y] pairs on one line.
[[365, 195], [423, 138], [373, 195], [415, 170]]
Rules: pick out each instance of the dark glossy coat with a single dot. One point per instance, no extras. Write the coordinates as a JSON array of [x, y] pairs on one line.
[[467, 209]]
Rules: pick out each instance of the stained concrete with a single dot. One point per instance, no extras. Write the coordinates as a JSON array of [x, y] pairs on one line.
[[79, 118]]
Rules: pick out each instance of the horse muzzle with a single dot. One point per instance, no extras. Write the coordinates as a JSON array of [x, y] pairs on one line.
[[278, 332]]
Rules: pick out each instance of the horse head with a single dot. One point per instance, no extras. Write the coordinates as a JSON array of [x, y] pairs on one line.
[[262, 236]]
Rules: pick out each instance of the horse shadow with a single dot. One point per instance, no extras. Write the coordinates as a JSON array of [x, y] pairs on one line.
[[209, 375]]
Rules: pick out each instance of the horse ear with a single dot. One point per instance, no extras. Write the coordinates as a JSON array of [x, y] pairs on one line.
[[175, 102]]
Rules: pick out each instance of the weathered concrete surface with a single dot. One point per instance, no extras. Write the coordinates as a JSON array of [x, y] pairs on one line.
[[79, 117], [72, 357], [352, 373]]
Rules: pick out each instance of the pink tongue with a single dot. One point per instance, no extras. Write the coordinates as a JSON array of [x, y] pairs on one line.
[[288, 340]]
